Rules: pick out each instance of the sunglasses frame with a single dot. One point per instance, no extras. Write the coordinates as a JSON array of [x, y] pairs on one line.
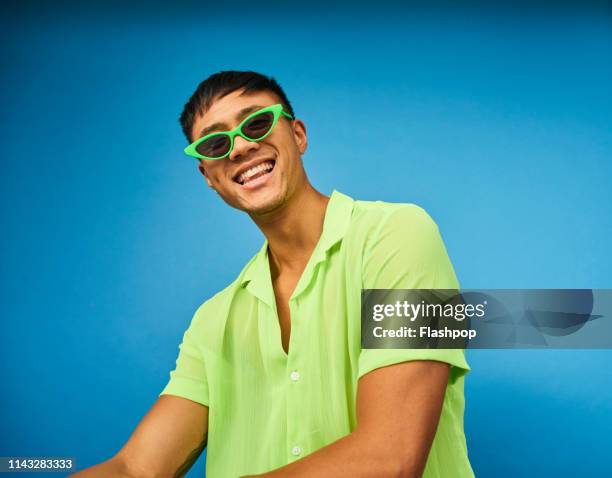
[[277, 110]]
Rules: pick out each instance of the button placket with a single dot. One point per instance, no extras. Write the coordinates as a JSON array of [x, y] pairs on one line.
[[294, 376]]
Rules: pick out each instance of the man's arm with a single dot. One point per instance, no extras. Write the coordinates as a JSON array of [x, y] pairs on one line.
[[398, 409], [166, 443]]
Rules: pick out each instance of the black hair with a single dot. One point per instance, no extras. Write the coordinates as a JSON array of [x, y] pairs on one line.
[[223, 83]]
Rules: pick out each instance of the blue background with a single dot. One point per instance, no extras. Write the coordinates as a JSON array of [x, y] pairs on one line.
[[496, 121]]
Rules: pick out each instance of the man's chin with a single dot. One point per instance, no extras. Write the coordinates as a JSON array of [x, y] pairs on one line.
[[262, 204]]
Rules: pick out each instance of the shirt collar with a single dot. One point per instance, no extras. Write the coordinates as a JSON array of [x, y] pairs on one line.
[[336, 222]]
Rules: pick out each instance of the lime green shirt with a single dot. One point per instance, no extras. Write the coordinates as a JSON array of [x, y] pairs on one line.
[[268, 408]]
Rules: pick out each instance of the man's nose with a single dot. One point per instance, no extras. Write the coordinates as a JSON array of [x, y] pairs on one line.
[[242, 148]]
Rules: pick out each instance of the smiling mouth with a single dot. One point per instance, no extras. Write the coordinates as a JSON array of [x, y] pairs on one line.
[[255, 172]]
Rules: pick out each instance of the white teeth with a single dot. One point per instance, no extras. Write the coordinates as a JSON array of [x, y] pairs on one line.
[[254, 170]]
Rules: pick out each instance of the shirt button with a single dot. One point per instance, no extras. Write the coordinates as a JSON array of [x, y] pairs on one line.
[[296, 450], [295, 376]]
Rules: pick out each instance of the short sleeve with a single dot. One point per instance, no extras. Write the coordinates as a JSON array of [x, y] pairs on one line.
[[407, 252], [188, 379]]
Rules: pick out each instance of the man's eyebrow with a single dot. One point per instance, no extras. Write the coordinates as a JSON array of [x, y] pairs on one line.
[[223, 126]]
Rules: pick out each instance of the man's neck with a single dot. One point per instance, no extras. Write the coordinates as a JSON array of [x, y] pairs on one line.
[[294, 230]]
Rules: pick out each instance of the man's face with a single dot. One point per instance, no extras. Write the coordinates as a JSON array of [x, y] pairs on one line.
[[269, 189]]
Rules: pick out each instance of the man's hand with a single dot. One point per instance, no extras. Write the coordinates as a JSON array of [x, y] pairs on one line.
[[398, 409], [165, 443]]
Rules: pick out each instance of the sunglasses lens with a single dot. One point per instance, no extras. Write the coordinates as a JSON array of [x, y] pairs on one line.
[[214, 146], [258, 125]]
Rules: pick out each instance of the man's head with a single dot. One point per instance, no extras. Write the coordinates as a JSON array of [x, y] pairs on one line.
[[220, 103]]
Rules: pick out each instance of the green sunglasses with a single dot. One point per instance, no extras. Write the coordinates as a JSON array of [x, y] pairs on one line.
[[254, 127]]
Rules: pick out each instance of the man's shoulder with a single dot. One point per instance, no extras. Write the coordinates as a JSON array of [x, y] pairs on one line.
[[367, 209], [369, 217], [221, 299]]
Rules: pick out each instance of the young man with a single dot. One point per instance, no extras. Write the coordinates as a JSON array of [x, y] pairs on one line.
[[270, 376]]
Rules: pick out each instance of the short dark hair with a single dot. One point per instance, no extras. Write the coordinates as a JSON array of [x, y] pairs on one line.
[[223, 83]]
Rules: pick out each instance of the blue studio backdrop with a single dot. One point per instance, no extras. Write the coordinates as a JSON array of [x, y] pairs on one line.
[[496, 121]]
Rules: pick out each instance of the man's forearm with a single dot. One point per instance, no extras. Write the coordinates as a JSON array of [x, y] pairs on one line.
[[353, 456], [113, 468]]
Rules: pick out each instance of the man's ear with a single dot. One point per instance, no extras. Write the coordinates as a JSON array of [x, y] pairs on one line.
[[299, 133], [205, 174]]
